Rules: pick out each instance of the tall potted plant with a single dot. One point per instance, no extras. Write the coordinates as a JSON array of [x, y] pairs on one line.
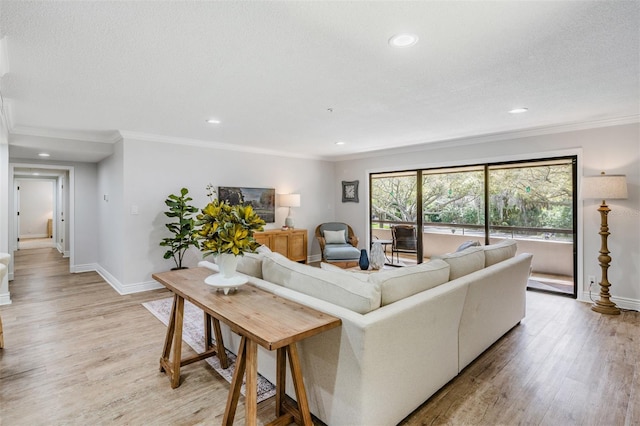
[[182, 229]]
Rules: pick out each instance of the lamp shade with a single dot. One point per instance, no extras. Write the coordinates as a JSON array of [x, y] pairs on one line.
[[604, 187], [290, 200]]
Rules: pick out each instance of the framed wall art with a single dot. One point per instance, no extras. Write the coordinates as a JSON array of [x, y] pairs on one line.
[[350, 191], [263, 200]]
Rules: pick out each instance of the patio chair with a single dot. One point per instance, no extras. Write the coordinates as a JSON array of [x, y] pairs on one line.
[[404, 240], [338, 244]]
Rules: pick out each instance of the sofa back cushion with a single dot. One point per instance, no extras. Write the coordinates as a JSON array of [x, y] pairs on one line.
[[494, 253], [248, 264], [334, 287], [464, 262], [398, 283]]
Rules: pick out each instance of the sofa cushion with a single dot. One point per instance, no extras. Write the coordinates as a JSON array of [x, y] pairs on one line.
[[341, 252], [334, 237], [248, 264], [494, 253], [338, 288], [463, 262], [356, 273], [398, 283]]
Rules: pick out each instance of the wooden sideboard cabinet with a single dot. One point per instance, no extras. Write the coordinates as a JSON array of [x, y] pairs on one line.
[[291, 243]]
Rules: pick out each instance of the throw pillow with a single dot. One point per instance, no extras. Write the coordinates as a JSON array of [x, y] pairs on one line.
[[503, 250], [464, 262], [468, 244], [334, 237], [398, 283]]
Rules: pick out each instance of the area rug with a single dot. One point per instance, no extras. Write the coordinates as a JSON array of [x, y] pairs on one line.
[[193, 335]]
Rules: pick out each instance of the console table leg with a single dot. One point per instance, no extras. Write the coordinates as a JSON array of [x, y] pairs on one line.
[[236, 384], [281, 383], [251, 385], [177, 343], [222, 354], [298, 383], [166, 351]]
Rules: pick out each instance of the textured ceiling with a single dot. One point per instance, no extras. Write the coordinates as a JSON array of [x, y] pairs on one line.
[[270, 71]]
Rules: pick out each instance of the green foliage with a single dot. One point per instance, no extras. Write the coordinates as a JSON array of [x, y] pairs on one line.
[[228, 229], [527, 196], [182, 229]]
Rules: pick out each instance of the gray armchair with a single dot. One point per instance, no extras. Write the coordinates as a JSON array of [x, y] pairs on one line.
[[338, 244]]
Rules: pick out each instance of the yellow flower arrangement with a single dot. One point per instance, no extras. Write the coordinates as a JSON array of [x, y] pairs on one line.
[[228, 229]]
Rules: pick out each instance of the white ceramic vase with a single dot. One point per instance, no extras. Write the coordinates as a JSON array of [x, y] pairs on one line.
[[376, 258], [227, 263]]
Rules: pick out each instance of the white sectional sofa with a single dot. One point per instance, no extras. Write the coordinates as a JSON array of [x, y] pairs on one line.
[[405, 332]]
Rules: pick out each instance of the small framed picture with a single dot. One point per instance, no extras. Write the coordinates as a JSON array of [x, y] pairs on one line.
[[350, 191]]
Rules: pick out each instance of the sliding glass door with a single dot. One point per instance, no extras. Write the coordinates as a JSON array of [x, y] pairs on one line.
[[534, 202], [531, 201]]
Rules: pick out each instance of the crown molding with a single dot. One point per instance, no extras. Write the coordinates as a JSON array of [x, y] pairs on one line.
[[146, 137], [107, 136], [493, 137]]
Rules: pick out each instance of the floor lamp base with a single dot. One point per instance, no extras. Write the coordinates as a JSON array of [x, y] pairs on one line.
[[605, 307]]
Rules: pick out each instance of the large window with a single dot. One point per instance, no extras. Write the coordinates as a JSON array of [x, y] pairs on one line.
[[531, 201]]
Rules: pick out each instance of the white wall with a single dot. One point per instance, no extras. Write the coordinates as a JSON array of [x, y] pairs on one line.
[[615, 150], [129, 250], [5, 297], [36, 207], [109, 218]]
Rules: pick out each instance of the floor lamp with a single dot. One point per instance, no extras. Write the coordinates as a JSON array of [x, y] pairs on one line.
[[604, 187]]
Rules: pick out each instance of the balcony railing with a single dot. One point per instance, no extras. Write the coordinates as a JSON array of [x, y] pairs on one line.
[[552, 248]]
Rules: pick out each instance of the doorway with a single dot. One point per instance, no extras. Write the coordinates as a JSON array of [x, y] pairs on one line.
[[34, 220], [60, 230]]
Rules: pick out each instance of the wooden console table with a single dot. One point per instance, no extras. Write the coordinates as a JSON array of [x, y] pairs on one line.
[[291, 243], [260, 318]]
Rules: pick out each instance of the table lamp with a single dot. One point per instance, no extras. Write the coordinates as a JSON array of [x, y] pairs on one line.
[[289, 200], [604, 187]]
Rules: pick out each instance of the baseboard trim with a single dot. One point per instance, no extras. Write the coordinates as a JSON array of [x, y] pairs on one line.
[[121, 288], [5, 298], [621, 302]]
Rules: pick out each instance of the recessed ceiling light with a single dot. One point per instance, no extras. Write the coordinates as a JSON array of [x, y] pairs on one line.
[[340, 143], [36, 174], [213, 121], [44, 154], [518, 110], [403, 40]]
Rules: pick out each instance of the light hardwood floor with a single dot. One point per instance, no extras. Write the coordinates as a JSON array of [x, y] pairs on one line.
[[78, 353]]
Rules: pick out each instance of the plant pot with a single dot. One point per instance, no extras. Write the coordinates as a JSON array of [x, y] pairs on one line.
[[227, 264]]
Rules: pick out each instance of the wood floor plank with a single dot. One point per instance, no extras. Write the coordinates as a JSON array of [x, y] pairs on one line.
[[77, 353]]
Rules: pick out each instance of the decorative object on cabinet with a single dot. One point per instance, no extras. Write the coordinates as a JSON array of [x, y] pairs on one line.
[[364, 260], [262, 200], [289, 200], [377, 258], [604, 187], [291, 243], [350, 191]]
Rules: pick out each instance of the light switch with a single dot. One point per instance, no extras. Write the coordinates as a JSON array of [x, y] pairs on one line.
[[134, 209]]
